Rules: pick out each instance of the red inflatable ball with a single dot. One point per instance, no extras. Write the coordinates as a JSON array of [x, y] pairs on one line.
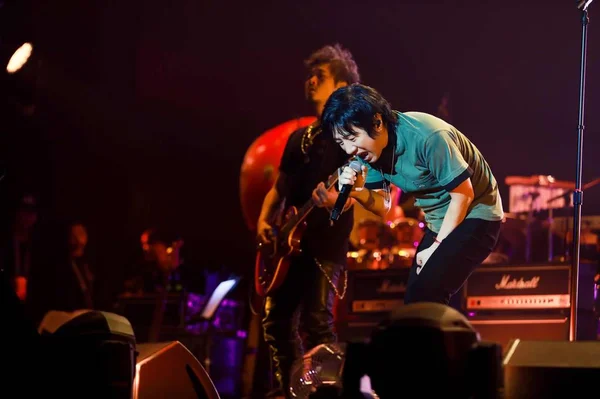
[[260, 166]]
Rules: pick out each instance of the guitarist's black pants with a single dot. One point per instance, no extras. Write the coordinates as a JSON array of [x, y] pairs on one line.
[[305, 298]]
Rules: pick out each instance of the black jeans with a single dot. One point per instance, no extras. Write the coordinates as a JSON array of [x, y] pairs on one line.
[[305, 298], [452, 262]]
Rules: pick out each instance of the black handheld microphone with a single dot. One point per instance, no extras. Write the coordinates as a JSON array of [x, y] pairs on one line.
[[344, 192]]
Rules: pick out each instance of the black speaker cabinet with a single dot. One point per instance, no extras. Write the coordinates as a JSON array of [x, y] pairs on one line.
[[551, 369], [87, 354], [529, 302], [371, 296], [505, 328], [169, 370]]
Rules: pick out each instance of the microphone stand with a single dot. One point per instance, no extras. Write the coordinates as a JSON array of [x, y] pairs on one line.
[[566, 196], [530, 220], [578, 193]]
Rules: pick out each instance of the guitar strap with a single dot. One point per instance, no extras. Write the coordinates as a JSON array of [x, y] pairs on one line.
[[308, 140], [335, 289]]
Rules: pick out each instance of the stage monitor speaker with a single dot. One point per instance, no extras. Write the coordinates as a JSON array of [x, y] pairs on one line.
[[433, 337], [169, 370], [551, 369], [87, 353]]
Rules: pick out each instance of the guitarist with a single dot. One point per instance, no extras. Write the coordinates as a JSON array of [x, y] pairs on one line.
[[306, 296]]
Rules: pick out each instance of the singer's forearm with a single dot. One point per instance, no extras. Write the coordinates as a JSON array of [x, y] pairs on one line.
[[371, 200], [460, 200]]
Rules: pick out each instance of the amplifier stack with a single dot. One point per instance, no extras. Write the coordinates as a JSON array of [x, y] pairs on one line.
[[371, 295], [527, 301]]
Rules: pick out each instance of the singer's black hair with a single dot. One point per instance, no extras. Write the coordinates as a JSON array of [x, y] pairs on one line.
[[355, 106]]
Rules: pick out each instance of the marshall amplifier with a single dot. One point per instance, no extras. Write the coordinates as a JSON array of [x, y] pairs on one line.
[[518, 287], [529, 301], [376, 291], [371, 295], [527, 287]]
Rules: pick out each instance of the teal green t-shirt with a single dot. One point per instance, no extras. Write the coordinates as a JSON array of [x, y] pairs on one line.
[[432, 158]]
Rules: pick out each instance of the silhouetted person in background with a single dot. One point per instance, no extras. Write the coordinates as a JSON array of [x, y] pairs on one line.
[[17, 246], [63, 279], [160, 261], [80, 280]]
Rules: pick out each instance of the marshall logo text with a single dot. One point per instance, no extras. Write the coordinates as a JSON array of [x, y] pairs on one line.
[[507, 284], [387, 287]]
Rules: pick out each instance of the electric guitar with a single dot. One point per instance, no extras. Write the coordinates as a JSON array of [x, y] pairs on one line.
[[273, 258]]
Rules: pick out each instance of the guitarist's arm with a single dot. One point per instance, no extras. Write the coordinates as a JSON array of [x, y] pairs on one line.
[[270, 205], [325, 198]]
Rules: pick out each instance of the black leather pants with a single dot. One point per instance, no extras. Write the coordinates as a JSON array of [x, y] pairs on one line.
[[304, 300]]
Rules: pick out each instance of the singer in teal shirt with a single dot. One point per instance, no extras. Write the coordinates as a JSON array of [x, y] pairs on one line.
[[447, 174]]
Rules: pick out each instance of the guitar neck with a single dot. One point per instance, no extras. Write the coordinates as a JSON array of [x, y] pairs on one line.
[[308, 206]]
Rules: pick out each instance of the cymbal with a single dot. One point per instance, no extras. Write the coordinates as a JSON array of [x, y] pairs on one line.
[[403, 220], [539, 181]]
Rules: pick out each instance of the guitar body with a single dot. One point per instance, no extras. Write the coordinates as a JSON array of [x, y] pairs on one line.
[[273, 259]]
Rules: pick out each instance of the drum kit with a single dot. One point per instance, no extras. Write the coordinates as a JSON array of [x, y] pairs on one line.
[[537, 226], [535, 229], [383, 245]]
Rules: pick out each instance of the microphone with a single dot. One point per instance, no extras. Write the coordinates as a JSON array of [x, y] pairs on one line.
[[344, 192], [583, 4]]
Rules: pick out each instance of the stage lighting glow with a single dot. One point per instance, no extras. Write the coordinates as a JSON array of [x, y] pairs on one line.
[[217, 296], [19, 58]]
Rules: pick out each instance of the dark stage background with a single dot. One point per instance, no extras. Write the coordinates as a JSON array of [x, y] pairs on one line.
[[144, 109]]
